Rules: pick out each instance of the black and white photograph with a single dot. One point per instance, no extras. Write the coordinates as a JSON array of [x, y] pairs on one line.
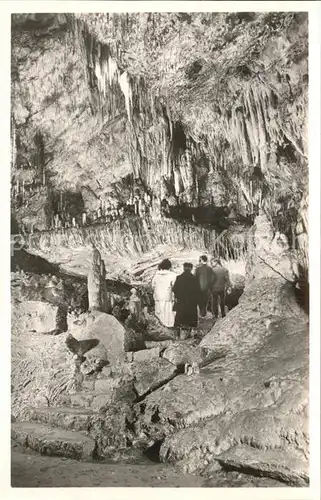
[[159, 203]]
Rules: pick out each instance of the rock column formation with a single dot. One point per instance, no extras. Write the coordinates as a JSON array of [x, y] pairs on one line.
[[269, 253], [97, 292]]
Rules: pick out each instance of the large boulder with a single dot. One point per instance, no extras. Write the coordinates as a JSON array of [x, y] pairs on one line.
[[108, 330], [35, 316], [257, 396], [266, 303]]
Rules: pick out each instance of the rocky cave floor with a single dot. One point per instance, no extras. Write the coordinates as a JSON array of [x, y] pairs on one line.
[[240, 421], [31, 470]]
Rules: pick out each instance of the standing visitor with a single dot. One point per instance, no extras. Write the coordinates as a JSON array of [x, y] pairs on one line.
[[221, 285], [205, 275], [141, 208], [187, 295], [136, 204], [162, 284]]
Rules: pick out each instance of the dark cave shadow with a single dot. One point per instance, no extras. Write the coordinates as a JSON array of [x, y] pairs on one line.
[[152, 453]]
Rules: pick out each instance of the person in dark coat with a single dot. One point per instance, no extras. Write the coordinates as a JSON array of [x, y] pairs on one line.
[[205, 276], [221, 285], [187, 293]]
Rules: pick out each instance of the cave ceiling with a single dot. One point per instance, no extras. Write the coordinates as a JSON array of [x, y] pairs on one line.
[[181, 102]]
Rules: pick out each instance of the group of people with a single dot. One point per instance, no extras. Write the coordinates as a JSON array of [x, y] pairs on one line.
[[179, 298]]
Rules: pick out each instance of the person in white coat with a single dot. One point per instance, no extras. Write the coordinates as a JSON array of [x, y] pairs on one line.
[[162, 284]]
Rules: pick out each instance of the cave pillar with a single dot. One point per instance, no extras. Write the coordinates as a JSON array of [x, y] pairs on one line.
[[269, 254], [96, 283]]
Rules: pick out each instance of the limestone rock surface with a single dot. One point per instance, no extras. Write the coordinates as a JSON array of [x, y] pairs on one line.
[[108, 330], [148, 375], [37, 316], [256, 395], [55, 442], [42, 366], [146, 354], [180, 353], [286, 467]]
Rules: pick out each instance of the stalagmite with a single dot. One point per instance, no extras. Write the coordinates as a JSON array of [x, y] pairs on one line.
[[105, 299], [135, 305], [96, 282]]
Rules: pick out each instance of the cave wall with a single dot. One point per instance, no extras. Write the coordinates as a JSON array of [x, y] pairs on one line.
[[200, 109], [132, 238]]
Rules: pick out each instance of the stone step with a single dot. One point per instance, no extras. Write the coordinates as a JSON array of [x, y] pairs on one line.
[[77, 419], [53, 441]]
